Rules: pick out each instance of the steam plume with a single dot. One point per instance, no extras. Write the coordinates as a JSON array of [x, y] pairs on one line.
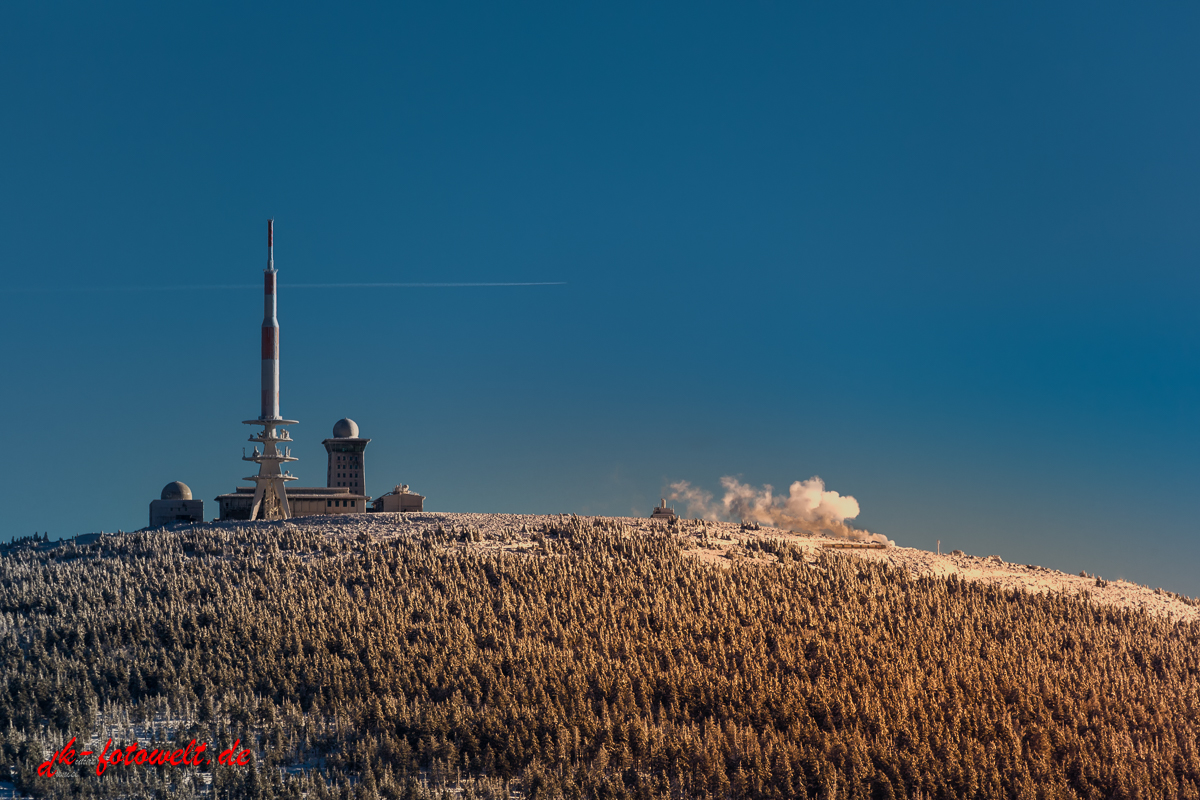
[[808, 506]]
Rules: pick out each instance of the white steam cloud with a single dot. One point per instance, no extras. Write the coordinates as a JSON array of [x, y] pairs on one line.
[[808, 506]]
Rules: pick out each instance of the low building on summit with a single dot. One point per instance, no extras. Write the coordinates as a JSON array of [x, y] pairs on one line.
[[175, 505], [304, 501], [399, 499]]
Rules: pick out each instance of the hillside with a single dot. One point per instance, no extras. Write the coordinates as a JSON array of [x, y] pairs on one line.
[[557, 656]]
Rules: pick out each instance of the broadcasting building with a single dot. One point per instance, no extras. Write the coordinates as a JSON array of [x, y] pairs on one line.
[[343, 492], [269, 498]]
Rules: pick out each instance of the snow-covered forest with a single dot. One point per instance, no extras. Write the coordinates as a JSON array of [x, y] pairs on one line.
[[573, 657]]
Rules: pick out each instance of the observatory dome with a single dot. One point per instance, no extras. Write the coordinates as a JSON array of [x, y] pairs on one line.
[[345, 429], [176, 490]]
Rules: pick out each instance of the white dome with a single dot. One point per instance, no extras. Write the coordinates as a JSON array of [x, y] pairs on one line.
[[345, 429], [176, 490]]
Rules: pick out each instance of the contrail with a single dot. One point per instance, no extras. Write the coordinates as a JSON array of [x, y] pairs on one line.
[[284, 286], [414, 285]]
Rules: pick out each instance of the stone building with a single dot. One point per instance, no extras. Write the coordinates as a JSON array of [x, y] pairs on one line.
[[399, 499], [662, 511]]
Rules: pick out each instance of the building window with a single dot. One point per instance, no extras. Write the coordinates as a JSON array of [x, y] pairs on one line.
[[352, 502], [328, 503]]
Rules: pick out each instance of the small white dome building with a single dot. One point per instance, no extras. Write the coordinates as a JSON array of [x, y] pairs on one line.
[[175, 506]]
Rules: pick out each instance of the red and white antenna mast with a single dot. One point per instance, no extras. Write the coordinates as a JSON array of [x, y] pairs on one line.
[[270, 496]]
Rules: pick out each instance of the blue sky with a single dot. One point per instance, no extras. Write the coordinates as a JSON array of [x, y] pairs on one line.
[[943, 257]]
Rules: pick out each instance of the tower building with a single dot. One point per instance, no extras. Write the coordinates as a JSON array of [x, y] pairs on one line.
[[270, 497], [347, 454]]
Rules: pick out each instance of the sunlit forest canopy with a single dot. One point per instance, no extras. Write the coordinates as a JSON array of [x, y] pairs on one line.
[[598, 664]]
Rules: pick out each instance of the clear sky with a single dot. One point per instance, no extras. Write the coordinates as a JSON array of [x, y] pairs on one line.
[[944, 257]]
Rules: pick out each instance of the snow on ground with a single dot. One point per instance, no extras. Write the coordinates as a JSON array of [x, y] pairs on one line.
[[722, 543]]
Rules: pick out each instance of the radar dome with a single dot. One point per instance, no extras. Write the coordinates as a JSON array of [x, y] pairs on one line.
[[345, 429], [176, 490]]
